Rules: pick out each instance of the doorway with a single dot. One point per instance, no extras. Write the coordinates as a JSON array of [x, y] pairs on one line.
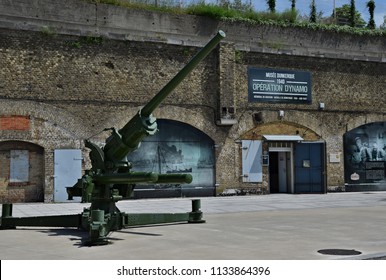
[[310, 167], [280, 170]]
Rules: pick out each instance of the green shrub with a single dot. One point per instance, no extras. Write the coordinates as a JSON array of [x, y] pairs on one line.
[[286, 18]]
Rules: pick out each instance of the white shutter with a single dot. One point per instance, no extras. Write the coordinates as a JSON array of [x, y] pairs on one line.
[[252, 161], [67, 171]]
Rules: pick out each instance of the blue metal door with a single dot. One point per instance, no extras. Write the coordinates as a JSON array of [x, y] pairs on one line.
[[309, 168]]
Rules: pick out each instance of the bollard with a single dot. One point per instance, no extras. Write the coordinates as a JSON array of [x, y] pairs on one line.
[[196, 215]]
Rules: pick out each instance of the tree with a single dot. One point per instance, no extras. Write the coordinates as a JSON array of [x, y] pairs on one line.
[[272, 5], [240, 6], [371, 6], [293, 5], [224, 3], [383, 25], [313, 11], [235, 5], [343, 16], [352, 18]]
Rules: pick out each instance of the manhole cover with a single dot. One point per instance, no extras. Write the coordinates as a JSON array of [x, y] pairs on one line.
[[339, 252]]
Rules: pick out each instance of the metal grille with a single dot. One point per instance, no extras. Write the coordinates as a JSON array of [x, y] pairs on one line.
[[280, 144]]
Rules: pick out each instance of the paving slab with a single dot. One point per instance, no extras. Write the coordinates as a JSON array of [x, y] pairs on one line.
[[268, 227]]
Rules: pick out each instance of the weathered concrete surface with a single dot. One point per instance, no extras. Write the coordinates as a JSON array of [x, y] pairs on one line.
[[282, 227]]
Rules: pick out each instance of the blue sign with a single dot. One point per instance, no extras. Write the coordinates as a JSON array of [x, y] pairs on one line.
[[282, 86]]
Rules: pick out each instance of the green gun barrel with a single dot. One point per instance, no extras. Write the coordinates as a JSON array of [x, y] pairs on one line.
[[142, 177], [126, 178], [169, 87], [143, 124], [174, 178]]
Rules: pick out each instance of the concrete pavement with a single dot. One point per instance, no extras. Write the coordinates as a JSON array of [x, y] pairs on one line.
[[269, 227]]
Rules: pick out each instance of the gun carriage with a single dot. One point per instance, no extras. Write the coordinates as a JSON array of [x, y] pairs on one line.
[[111, 179]]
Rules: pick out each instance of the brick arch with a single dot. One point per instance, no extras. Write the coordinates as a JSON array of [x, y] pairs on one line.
[[49, 114], [357, 121], [50, 127], [280, 128], [198, 117]]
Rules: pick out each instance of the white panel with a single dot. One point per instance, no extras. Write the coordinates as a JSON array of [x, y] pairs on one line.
[[252, 161], [19, 166], [67, 171]]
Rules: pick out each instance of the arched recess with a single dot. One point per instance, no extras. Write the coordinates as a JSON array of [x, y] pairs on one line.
[[21, 172], [177, 148], [286, 157], [201, 118], [281, 128], [365, 157], [48, 127], [46, 119]]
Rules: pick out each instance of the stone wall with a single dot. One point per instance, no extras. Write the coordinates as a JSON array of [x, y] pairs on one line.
[[72, 86], [31, 190], [352, 92], [84, 18]]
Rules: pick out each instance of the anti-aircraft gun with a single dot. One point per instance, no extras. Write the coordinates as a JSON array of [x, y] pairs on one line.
[[110, 178]]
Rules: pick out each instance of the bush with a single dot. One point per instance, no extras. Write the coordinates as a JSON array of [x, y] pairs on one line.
[[286, 18]]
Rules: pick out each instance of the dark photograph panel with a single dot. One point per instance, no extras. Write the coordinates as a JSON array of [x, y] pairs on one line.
[[177, 148], [365, 157]]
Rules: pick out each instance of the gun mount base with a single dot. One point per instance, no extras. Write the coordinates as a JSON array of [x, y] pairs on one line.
[[99, 223]]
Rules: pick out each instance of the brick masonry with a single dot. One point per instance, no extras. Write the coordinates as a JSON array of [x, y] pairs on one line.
[[14, 123], [31, 190], [71, 87]]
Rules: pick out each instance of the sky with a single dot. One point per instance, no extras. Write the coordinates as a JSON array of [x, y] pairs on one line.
[[325, 6]]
